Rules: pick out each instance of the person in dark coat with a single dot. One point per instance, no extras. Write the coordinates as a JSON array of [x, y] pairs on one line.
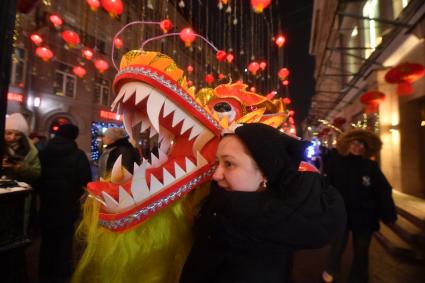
[[367, 197], [260, 209], [65, 173], [117, 144]]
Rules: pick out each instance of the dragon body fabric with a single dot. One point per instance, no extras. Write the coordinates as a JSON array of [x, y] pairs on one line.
[[137, 226]]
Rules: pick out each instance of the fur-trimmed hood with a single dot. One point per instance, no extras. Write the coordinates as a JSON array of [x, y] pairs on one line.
[[373, 142]]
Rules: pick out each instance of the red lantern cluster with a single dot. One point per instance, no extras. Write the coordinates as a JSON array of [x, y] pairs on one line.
[[259, 5], [371, 100], [188, 36], [113, 7], [404, 75]]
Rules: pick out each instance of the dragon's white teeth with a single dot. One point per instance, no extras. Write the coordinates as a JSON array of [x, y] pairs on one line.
[[125, 200], [111, 204], [119, 174], [154, 106], [155, 186], [189, 165], [142, 91], [177, 117], [152, 132], [128, 123], [168, 178], [162, 156], [139, 187], [200, 160], [130, 89], [178, 171], [187, 124], [168, 108], [196, 130], [155, 161], [118, 97]]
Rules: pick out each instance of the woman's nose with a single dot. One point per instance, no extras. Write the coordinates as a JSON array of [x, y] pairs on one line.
[[218, 174]]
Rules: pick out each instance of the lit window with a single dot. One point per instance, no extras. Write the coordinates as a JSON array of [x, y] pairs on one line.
[[18, 67], [65, 82], [101, 93], [370, 10]]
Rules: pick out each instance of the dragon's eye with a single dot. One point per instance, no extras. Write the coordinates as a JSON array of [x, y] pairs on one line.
[[222, 107], [225, 109]]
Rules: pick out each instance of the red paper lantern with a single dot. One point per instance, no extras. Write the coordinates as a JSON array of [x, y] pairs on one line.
[[44, 53], [71, 38], [280, 40], [87, 53], [221, 76], [113, 7], [404, 75], [101, 65], [229, 58], [118, 42], [253, 68], [166, 25], [36, 38], [94, 4], [189, 69], [189, 83], [286, 100], [56, 20], [291, 113], [209, 79], [188, 36], [371, 100], [79, 71], [253, 89], [283, 74], [221, 55], [285, 82], [339, 121], [259, 5], [263, 65]]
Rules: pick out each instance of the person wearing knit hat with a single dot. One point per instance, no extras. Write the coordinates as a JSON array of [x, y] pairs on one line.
[[117, 144], [260, 208], [20, 160], [66, 171], [367, 196]]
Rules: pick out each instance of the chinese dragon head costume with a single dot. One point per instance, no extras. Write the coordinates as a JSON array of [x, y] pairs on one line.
[[136, 226]]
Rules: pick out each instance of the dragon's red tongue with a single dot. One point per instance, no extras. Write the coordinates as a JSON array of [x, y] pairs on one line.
[[169, 166], [96, 188]]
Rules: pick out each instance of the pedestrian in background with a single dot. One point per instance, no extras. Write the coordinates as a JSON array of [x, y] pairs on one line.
[[259, 210], [367, 196], [20, 160], [65, 173], [117, 144]]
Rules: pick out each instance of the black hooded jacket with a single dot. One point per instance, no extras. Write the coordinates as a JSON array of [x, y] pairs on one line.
[[65, 172], [244, 237]]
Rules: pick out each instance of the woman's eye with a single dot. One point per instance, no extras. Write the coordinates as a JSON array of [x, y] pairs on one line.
[[227, 164]]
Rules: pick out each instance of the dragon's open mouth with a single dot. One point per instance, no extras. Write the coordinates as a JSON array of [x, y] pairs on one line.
[[187, 137]]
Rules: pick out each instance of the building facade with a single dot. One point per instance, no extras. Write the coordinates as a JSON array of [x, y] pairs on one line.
[[355, 45]]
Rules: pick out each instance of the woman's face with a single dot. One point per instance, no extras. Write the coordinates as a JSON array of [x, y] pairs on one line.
[[11, 136], [236, 170], [357, 147]]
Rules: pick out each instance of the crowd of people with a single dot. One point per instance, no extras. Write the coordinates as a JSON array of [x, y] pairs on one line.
[[260, 208]]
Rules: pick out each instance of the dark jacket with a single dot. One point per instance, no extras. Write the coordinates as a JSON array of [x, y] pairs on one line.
[[65, 171], [248, 236], [129, 156], [364, 188]]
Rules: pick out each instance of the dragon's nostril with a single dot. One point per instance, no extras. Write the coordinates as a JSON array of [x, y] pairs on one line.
[[222, 107]]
